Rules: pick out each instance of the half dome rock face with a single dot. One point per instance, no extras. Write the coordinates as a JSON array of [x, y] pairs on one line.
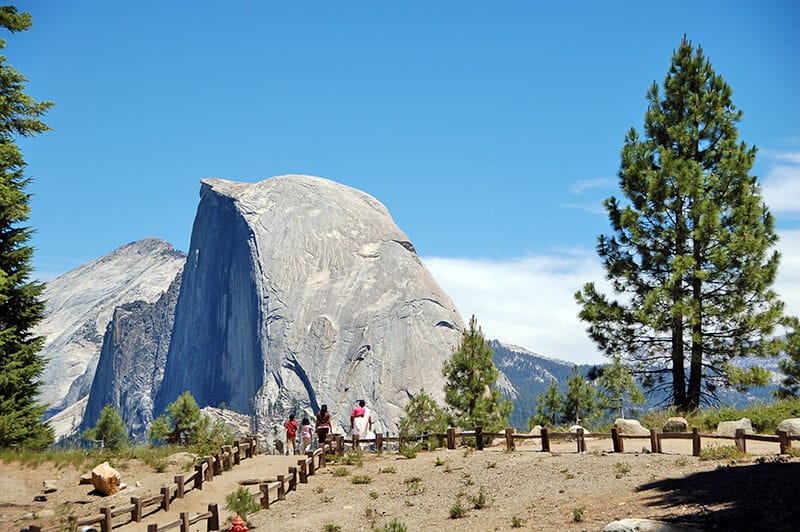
[[299, 291], [79, 305]]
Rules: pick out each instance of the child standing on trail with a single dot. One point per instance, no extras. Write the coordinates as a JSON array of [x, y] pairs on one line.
[[291, 435], [305, 435]]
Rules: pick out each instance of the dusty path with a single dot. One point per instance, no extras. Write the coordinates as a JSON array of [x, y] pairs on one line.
[[545, 491]]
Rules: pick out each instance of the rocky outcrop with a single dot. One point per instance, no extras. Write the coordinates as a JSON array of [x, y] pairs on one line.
[[631, 427], [299, 291], [791, 426], [729, 428], [79, 305], [132, 361], [676, 424]]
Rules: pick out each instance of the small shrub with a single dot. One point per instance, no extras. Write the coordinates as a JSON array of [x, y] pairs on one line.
[[457, 511], [340, 471], [517, 522], [414, 485], [327, 498], [467, 479], [361, 479], [409, 450], [388, 469], [439, 462], [319, 489], [480, 500], [577, 514], [722, 452], [621, 469], [567, 474], [353, 458], [374, 495], [242, 502], [491, 465], [682, 461], [395, 525], [794, 452], [331, 527]]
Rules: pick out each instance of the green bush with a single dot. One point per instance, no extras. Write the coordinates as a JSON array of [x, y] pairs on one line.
[[723, 452], [110, 430], [395, 525], [242, 503], [184, 424]]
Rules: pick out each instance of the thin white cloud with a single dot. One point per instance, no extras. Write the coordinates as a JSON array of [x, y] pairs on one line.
[[781, 188], [791, 157], [591, 208], [527, 301], [530, 301], [579, 187]]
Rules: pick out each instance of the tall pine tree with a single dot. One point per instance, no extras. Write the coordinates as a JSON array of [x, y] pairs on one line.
[[20, 305], [470, 375], [691, 251]]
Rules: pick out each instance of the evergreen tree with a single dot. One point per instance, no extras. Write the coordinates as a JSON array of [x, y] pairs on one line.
[[20, 305], [580, 399], [790, 366], [617, 387], [110, 429], [423, 416], [690, 254], [183, 424], [549, 407], [470, 375]]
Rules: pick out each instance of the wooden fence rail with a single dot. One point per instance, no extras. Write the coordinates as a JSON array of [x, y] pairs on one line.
[[205, 471]]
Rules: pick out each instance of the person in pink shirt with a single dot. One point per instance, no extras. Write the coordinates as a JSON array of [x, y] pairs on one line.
[[291, 435], [306, 435]]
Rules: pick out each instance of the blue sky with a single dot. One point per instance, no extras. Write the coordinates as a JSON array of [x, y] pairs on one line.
[[491, 130]]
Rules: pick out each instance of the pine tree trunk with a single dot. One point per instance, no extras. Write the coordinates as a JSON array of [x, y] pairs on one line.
[[696, 365]]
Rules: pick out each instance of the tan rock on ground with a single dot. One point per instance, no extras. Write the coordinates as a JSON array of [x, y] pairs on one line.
[[106, 479]]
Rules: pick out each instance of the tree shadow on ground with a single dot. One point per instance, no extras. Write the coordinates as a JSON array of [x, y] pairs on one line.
[[761, 496]]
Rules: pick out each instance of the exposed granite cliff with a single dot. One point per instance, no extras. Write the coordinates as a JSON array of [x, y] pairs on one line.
[[132, 360], [299, 291], [79, 305]]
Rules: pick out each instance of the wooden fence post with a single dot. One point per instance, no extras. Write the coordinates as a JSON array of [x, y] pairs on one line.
[[784, 441], [152, 527], [355, 441], [695, 441], [217, 464], [303, 471], [179, 486], [185, 522], [213, 521], [105, 525], [510, 439], [379, 441], [198, 477], [282, 488], [339, 445], [451, 437], [35, 528], [545, 439], [292, 478], [310, 461], [209, 468], [478, 438], [264, 487], [136, 512], [581, 441], [165, 498], [237, 451], [741, 443], [616, 441], [654, 446]]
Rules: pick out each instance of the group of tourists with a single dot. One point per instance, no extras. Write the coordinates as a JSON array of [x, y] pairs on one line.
[[360, 426]]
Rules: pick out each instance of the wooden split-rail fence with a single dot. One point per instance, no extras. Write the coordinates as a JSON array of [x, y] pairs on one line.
[[209, 467], [782, 438]]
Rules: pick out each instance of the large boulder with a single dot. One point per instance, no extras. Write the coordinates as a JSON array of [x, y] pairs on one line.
[[574, 430], [630, 427], [299, 291], [676, 424], [728, 428], [643, 525], [791, 425], [106, 479]]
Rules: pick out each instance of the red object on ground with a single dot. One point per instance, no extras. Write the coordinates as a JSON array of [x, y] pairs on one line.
[[238, 525]]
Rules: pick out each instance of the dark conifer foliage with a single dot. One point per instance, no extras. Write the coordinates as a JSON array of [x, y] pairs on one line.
[[20, 305], [691, 256]]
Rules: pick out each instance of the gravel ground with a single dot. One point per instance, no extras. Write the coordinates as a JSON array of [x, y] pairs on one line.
[[495, 489]]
